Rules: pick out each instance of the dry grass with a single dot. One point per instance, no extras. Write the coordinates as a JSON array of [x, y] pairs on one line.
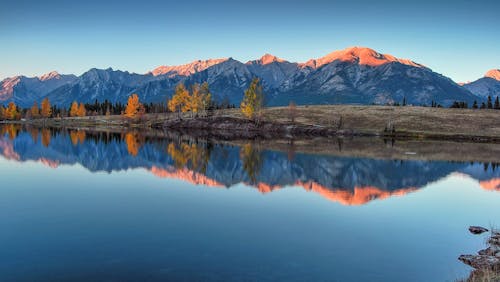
[[374, 119]]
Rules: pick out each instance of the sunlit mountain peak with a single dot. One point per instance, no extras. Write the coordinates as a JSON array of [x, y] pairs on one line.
[[187, 69], [494, 73], [267, 59], [50, 75], [360, 55]]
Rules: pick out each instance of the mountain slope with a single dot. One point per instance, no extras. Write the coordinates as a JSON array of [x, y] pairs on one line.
[[272, 70], [98, 84], [361, 75], [489, 85], [25, 90]]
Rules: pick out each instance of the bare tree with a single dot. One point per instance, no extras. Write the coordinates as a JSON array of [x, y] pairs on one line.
[[292, 111]]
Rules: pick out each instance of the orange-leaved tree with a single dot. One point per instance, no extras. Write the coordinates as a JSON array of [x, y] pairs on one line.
[[35, 111], [133, 106], [73, 112], [81, 110], [46, 108]]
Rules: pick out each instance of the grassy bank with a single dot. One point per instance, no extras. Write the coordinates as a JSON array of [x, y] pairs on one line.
[[407, 122]]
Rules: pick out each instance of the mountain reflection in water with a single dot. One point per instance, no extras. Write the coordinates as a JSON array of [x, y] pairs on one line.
[[347, 180]]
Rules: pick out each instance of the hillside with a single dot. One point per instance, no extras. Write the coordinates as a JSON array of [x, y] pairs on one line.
[[489, 85]]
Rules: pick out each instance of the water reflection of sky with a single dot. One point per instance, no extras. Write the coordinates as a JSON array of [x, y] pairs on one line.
[[72, 224]]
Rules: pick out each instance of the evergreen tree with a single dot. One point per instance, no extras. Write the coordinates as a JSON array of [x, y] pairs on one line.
[[497, 104], [490, 104]]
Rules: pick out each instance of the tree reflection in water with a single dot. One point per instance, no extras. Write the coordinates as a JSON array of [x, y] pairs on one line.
[[190, 154], [251, 157], [46, 136]]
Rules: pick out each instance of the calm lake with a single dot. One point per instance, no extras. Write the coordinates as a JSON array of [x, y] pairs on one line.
[[102, 206]]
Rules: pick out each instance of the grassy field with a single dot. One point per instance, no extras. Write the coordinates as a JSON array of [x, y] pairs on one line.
[[374, 119]]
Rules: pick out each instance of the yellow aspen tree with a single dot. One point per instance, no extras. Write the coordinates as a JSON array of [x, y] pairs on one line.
[[2, 112], [73, 112], [206, 97], [11, 112], [251, 105], [180, 100], [194, 101], [46, 108]]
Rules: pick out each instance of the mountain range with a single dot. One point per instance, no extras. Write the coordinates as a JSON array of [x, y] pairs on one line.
[[356, 75]]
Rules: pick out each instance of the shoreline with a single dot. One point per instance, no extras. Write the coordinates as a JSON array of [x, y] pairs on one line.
[[402, 123]]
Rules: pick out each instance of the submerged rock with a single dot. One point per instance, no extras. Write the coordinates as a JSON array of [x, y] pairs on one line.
[[477, 229], [491, 251], [481, 261], [487, 261]]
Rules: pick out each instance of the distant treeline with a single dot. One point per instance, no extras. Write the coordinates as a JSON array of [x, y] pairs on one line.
[[457, 104]]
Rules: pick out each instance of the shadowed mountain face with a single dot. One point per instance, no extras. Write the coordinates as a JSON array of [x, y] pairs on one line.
[[348, 180], [24, 91], [489, 85], [354, 75]]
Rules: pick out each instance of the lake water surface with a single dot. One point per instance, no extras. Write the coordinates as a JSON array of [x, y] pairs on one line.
[[85, 206]]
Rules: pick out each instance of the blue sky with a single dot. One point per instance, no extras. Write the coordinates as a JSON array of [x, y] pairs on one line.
[[459, 39]]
